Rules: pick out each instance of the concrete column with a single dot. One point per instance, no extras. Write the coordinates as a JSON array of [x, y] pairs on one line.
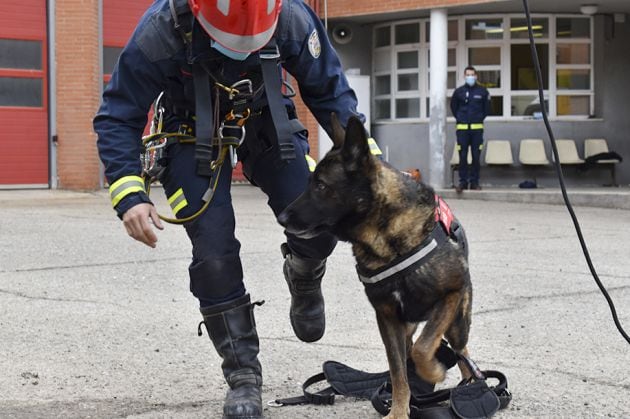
[[437, 104], [78, 80]]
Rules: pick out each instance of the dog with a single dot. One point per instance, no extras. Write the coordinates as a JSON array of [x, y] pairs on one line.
[[387, 215]]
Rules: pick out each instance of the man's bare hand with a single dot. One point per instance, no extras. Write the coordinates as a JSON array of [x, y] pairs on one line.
[[136, 222]]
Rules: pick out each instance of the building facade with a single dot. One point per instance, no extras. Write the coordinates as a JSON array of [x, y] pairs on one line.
[[56, 56]]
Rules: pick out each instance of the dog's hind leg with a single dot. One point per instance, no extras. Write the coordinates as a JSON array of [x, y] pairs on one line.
[[423, 352], [457, 333], [393, 332]]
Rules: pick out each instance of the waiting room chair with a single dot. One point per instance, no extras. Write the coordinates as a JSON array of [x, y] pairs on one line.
[[594, 146], [567, 152], [498, 152], [532, 152], [455, 163]]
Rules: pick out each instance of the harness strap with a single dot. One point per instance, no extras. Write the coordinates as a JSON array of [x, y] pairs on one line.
[[269, 58], [204, 123]]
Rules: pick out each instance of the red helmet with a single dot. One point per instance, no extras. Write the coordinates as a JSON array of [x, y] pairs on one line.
[[239, 25]]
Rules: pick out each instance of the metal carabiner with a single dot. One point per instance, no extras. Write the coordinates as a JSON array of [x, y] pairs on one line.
[[237, 88], [223, 127], [233, 156], [158, 115]]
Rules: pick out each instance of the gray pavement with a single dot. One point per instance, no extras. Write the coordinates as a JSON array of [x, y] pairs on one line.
[[94, 325]]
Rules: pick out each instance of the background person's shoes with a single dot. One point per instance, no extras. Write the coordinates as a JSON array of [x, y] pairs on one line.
[[461, 187], [475, 187]]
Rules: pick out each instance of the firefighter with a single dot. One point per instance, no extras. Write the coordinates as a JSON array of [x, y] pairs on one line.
[[217, 63], [470, 106]]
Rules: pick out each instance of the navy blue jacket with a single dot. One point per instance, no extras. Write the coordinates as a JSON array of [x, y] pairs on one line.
[[470, 105], [155, 59]]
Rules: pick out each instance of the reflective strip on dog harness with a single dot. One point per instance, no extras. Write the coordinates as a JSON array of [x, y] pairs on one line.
[[124, 186], [404, 264], [177, 201], [469, 126], [374, 147]]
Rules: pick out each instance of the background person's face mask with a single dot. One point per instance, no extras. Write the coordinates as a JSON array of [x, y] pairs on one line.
[[235, 55], [471, 80]]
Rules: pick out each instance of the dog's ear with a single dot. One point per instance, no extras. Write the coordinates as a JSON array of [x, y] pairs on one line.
[[356, 151], [339, 134]]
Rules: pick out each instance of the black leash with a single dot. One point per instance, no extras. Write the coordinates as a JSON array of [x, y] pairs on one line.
[[561, 177]]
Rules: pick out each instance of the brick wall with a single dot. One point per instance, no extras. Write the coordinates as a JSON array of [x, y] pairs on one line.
[[78, 86], [339, 8]]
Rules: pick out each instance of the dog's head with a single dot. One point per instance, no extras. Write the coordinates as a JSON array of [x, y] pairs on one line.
[[339, 191]]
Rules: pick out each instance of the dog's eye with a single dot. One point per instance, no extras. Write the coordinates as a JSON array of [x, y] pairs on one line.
[[321, 187]]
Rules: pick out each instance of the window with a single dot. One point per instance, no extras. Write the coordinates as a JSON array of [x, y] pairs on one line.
[[21, 73], [498, 47]]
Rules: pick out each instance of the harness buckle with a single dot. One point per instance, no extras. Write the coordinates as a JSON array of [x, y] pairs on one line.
[[240, 89], [270, 53], [240, 137]]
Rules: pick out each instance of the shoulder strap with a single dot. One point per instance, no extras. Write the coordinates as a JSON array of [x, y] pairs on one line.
[[179, 8]]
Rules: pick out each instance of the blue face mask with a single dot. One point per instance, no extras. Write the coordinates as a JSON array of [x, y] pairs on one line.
[[238, 56], [471, 80]]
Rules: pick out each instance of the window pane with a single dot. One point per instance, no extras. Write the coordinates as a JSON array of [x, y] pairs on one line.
[[407, 34], [382, 109], [484, 56], [527, 105], [408, 59], [407, 82], [574, 79], [453, 31], [452, 57], [518, 28], [16, 91], [484, 29], [383, 85], [523, 73], [496, 105], [573, 54], [407, 108], [20, 54], [573, 27], [489, 79], [383, 37], [382, 60], [574, 105], [451, 80]]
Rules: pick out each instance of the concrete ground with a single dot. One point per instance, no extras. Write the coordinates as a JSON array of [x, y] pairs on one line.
[[94, 325]]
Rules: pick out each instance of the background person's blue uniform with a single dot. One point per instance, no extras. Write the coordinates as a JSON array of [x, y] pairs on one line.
[[155, 60], [470, 106]]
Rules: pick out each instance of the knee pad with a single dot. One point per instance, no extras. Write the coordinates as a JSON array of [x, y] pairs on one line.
[[215, 280]]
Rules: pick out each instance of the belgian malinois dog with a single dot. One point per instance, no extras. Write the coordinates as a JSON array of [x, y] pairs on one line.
[[386, 215]]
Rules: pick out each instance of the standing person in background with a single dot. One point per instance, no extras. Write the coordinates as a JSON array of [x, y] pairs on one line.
[[470, 106]]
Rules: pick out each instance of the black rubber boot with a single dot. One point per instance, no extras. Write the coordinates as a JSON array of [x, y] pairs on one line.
[[232, 329], [304, 277]]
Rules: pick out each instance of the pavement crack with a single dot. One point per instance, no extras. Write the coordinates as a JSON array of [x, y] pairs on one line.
[[64, 300], [92, 265]]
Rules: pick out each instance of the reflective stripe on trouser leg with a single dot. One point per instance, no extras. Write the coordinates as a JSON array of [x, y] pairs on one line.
[[476, 145], [463, 142], [283, 183]]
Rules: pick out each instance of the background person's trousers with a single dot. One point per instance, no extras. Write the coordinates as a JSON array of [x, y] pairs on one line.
[[473, 139]]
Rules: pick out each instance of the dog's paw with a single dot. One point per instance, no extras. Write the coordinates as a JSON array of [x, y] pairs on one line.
[[431, 371], [397, 415]]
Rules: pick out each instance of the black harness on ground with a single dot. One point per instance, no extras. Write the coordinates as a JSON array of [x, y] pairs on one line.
[[472, 398]]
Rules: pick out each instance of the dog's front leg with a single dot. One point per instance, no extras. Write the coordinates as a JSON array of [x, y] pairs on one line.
[[393, 333]]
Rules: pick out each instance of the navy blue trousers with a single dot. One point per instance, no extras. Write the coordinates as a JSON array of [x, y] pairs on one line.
[[216, 273], [473, 139]]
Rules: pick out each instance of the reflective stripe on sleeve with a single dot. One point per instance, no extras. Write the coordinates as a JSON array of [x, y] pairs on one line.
[[177, 201], [124, 186], [311, 163], [374, 147]]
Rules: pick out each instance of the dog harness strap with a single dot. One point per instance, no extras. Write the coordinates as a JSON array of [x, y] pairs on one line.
[[322, 397], [405, 263]]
